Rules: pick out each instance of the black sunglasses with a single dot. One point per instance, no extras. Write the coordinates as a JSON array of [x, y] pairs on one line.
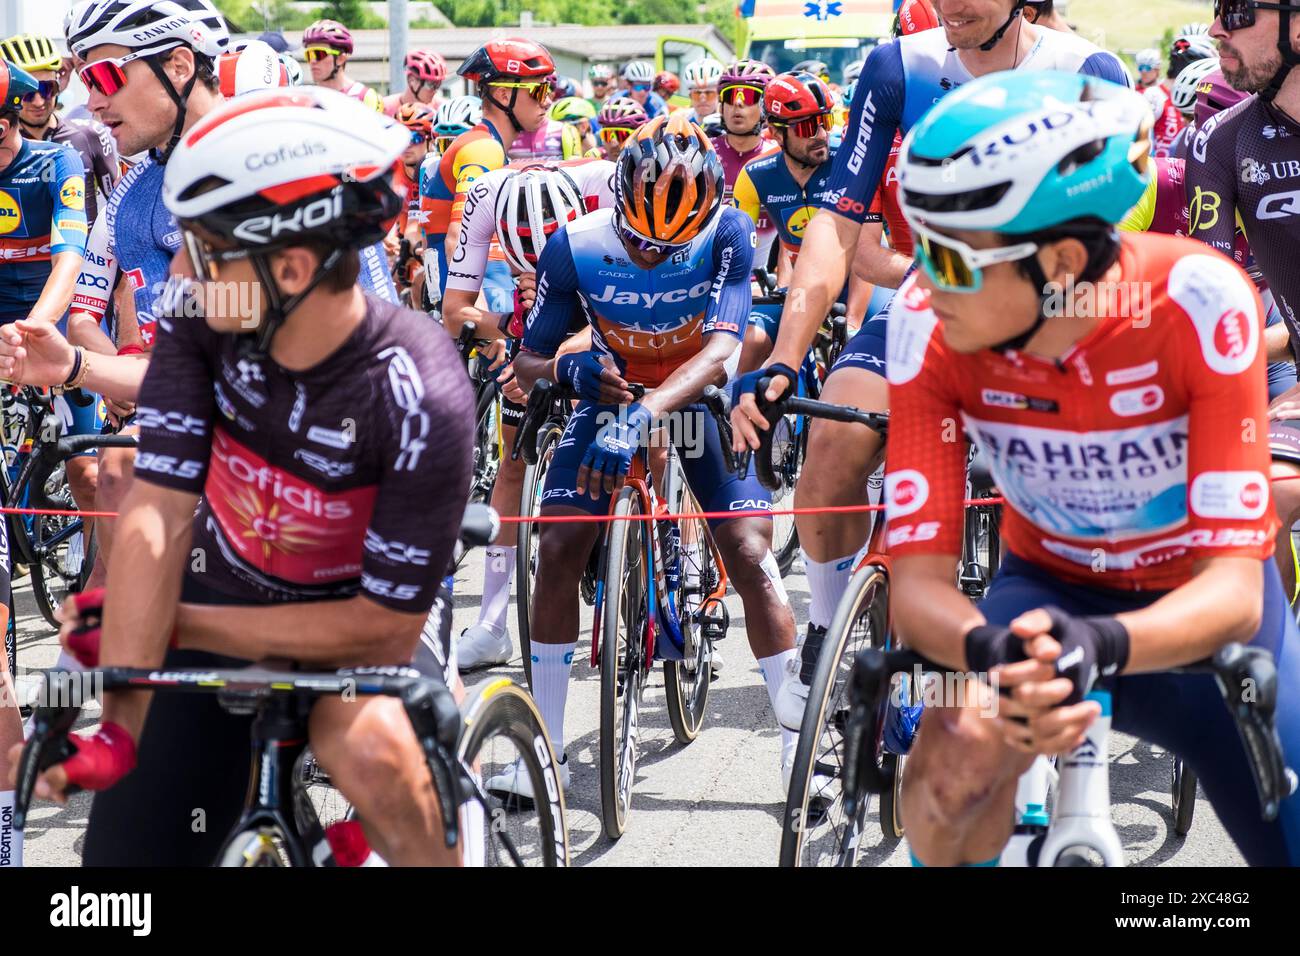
[[1240, 14]]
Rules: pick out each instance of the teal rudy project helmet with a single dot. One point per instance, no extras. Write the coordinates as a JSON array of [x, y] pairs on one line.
[[1023, 154]]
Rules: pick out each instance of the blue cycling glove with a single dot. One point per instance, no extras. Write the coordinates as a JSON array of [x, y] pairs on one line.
[[748, 383], [611, 451], [581, 370]]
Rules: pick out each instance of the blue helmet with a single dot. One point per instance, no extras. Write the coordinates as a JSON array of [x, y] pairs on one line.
[[15, 83], [1018, 152]]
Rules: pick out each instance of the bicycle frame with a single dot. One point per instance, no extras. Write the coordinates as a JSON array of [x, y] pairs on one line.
[[660, 599]]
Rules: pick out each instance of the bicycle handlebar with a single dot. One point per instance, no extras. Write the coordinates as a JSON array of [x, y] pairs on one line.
[[428, 702], [1233, 666]]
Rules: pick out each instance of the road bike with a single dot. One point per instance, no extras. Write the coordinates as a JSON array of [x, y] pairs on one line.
[[282, 822]]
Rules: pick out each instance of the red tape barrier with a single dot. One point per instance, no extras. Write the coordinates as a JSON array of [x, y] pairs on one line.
[[579, 519], [560, 519]]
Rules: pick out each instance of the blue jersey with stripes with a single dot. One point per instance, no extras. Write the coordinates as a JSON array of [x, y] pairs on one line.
[[42, 214], [902, 79], [650, 321]]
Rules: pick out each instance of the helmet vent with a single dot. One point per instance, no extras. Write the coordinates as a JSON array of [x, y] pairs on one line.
[[204, 185], [1080, 157], [961, 202]]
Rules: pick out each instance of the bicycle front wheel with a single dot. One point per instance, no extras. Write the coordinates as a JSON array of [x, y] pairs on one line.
[[622, 655], [687, 682], [816, 831], [503, 727], [530, 504]]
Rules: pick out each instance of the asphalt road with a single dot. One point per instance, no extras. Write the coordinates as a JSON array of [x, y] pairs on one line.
[[717, 802]]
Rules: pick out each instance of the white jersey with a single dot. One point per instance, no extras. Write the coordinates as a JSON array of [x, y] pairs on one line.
[[98, 275], [593, 177]]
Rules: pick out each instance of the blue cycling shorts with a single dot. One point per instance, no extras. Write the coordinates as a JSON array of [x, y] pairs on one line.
[[1185, 713], [866, 350], [698, 447]]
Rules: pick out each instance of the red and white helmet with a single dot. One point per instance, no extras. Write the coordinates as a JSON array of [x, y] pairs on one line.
[[278, 167], [531, 206], [254, 67]]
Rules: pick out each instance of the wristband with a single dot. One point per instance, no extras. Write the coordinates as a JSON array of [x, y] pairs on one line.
[[76, 367], [133, 349]]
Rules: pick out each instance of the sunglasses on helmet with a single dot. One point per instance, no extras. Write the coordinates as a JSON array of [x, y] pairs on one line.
[[953, 265], [615, 134], [314, 54], [807, 128], [741, 95], [108, 76], [1240, 14], [540, 90]]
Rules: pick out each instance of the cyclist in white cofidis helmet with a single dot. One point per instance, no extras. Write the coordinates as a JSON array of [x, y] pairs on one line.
[[327, 47], [266, 395], [509, 216]]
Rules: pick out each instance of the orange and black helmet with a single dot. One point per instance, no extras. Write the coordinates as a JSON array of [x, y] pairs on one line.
[[668, 184], [418, 118]]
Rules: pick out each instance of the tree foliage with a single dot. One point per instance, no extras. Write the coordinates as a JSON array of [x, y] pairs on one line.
[[258, 15]]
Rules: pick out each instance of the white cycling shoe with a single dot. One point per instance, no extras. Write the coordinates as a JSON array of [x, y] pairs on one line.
[[480, 646], [514, 782], [791, 697]]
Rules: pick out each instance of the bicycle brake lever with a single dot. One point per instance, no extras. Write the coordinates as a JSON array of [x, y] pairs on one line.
[[436, 720]]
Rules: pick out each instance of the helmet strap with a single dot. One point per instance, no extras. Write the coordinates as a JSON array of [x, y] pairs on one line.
[[257, 344], [1290, 58], [334, 72], [1039, 278], [993, 41], [508, 110], [181, 99]]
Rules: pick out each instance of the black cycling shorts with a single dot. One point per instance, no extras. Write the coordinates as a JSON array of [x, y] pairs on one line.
[[188, 788]]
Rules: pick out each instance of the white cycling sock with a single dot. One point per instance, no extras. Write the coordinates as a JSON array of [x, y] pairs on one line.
[[551, 664], [774, 674], [498, 569], [11, 841], [827, 581]]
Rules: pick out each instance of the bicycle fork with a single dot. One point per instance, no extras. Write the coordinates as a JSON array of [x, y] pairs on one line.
[[1081, 817]]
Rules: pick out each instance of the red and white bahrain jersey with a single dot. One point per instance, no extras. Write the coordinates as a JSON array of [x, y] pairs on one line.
[[1141, 451]]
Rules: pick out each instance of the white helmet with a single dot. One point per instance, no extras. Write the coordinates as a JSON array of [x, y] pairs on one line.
[[281, 165], [456, 116], [1193, 29], [703, 73], [639, 71], [293, 68], [255, 66], [145, 24], [1183, 92], [853, 71], [1148, 59], [531, 206]]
